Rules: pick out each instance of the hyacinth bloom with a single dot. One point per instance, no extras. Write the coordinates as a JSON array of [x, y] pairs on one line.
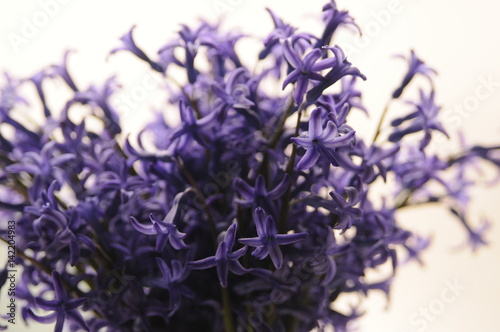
[[321, 142], [172, 281], [423, 119], [64, 308], [334, 18], [225, 259], [415, 66], [260, 196], [268, 240], [255, 199], [129, 45]]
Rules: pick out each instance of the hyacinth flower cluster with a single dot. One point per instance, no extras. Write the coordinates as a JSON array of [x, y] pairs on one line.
[[256, 212]]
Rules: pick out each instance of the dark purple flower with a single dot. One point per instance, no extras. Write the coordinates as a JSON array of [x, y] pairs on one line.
[[165, 229], [304, 70], [259, 196], [235, 94], [339, 69], [129, 45], [281, 31], [192, 128], [268, 240], [37, 80], [44, 166], [241, 164], [99, 96], [415, 66], [224, 260], [424, 118], [65, 309], [321, 142], [190, 40], [419, 169], [345, 209], [61, 70], [172, 281], [476, 236], [333, 19]]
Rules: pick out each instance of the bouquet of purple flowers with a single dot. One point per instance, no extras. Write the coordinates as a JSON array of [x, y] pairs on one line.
[[254, 213]]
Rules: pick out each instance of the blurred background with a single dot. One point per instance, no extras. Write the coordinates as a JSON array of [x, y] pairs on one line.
[[458, 38]]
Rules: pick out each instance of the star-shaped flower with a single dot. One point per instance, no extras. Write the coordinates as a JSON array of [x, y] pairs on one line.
[[63, 307], [224, 260], [268, 240], [321, 142], [165, 229]]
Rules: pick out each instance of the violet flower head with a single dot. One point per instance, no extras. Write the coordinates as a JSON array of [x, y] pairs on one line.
[[225, 259], [305, 69], [475, 236], [192, 129], [172, 281], [165, 229], [61, 70], [321, 142], [259, 196], [268, 240], [415, 66], [424, 118], [333, 19], [339, 68], [281, 31], [129, 45], [65, 309]]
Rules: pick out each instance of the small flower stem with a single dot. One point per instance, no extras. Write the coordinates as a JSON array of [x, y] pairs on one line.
[[381, 121], [285, 205], [33, 261], [404, 202], [274, 139], [228, 316]]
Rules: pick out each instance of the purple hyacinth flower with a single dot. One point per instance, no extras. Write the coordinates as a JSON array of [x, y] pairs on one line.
[[165, 229], [172, 281], [259, 195], [321, 142], [224, 260], [304, 70], [129, 45], [281, 31], [64, 308], [268, 240], [37, 80], [345, 207], [192, 128], [424, 118], [100, 96], [415, 66], [476, 236], [333, 19], [61, 70], [44, 166], [339, 69]]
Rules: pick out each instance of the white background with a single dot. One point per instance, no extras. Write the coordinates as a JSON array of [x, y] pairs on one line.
[[459, 38]]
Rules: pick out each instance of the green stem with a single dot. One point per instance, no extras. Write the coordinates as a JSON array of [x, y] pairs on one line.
[[228, 316], [381, 121]]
